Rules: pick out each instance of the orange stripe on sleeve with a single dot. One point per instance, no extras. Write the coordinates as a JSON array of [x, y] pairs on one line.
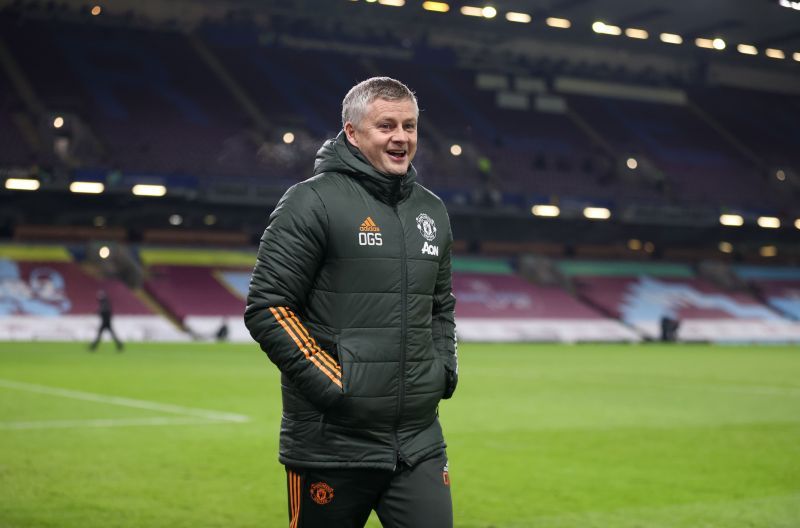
[[325, 371], [288, 330], [312, 344], [308, 342], [280, 318], [309, 349], [328, 359], [331, 361]]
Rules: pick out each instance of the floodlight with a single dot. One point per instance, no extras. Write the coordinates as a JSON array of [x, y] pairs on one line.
[[149, 190], [747, 49], [769, 222], [768, 251], [732, 220], [671, 38], [22, 184], [545, 210], [606, 29], [597, 213], [438, 7], [523, 18], [636, 33], [773, 53], [84, 187], [561, 23]]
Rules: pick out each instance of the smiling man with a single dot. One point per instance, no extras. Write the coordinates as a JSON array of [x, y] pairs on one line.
[[351, 299]]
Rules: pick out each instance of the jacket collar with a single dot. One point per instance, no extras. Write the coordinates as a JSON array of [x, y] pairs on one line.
[[338, 155]]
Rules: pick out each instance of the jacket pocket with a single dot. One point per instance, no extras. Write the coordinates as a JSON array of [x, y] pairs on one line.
[[364, 403], [345, 361]]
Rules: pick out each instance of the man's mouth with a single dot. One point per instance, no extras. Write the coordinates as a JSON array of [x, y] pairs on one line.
[[397, 155]]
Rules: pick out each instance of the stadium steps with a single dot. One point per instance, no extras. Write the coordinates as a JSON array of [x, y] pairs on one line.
[[239, 94], [591, 133], [723, 276], [585, 299], [92, 271], [25, 91], [432, 130], [21, 83], [727, 135], [37, 138], [27, 130], [157, 308]]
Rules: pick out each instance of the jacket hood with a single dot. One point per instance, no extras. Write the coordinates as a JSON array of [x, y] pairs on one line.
[[338, 155]]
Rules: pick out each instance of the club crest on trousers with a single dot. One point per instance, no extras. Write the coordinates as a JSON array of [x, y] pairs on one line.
[[321, 493]]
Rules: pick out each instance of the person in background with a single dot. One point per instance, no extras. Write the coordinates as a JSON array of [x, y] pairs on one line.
[[105, 312], [222, 332]]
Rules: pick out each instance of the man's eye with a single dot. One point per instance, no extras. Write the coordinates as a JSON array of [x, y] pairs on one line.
[[384, 126], [411, 127]]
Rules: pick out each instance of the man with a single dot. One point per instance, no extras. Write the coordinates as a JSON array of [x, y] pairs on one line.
[[351, 299], [104, 311]]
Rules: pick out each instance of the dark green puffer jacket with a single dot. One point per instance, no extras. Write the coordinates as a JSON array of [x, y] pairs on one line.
[[351, 299]]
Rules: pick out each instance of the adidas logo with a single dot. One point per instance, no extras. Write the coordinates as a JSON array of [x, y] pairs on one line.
[[369, 234], [369, 226]]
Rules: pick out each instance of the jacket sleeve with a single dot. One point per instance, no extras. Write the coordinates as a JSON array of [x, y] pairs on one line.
[[291, 250], [443, 319]]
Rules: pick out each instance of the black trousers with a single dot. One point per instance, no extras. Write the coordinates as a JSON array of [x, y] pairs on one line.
[[103, 327], [409, 497]]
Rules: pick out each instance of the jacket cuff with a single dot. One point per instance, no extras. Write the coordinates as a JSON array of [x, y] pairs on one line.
[[451, 380]]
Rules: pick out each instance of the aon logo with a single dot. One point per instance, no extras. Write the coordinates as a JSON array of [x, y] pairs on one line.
[[370, 239], [430, 249]]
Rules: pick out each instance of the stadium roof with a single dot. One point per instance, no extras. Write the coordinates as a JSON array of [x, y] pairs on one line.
[[759, 23], [762, 23]]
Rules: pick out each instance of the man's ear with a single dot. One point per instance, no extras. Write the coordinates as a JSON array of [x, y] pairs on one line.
[[350, 132]]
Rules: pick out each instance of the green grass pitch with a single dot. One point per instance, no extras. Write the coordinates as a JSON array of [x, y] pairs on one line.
[[550, 436]]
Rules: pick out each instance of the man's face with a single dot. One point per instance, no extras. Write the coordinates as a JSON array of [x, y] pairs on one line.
[[387, 135]]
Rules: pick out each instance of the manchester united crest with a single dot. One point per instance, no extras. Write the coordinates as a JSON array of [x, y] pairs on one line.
[[321, 493], [427, 227]]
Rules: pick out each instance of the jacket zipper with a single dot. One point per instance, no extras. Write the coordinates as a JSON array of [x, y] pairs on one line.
[[403, 323]]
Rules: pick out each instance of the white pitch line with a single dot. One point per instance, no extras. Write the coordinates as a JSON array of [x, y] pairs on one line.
[[126, 402], [760, 390], [121, 422]]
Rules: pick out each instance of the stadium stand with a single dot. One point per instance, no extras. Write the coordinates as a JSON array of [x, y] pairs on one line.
[[199, 297], [13, 148], [201, 289], [779, 287], [494, 304], [764, 122], [692, 157], [641, 294], [190, 293], [205, 112], [45, 295], [120, 81]]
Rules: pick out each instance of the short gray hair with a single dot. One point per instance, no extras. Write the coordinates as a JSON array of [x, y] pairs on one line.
[[355, 103]]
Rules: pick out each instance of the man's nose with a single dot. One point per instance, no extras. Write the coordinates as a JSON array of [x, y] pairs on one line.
[[400, 136]]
